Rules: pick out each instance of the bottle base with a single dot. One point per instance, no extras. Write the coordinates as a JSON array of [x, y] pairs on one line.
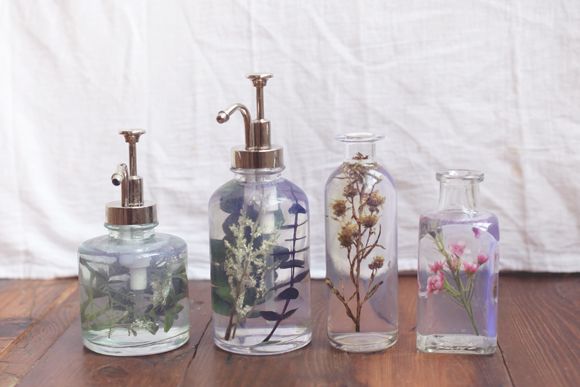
[[105, 346], [363, 342], [276, 346], [458, 344]]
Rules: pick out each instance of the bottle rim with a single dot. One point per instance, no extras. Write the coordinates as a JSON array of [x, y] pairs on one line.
[[359, 137], [459, 175]]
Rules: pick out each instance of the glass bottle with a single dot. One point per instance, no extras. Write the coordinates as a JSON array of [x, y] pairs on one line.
[[133, 281], [361, 250], [259, 246], [458, 270]]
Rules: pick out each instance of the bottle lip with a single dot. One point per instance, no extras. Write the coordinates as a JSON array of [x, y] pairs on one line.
[[459, 175], [359, 137]]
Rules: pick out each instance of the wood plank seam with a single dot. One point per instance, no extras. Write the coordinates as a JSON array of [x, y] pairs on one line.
[[182, 383], [505, 363]]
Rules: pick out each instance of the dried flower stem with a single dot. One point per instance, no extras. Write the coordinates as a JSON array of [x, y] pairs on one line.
[[359, 233]]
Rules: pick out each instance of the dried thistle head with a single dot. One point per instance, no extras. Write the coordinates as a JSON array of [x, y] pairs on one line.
[[339, 207], [375, 199], [377, 263], [349, 191], [347, 234], [369, 221]]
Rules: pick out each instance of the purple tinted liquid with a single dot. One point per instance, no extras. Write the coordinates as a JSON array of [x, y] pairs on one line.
[[439, 316]]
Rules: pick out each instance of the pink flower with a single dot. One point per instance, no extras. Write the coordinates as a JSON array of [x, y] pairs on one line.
[[481, 259], [476, 232], [435, 283], [458, 248], [436, 267], [470, 268]]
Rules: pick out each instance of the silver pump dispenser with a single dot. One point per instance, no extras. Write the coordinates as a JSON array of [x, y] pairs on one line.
[[131, 209], [258, 152]]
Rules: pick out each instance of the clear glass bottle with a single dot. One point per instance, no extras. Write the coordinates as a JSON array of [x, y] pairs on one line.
[[133, 281], [361, 250], [259, 242], [458, 270]]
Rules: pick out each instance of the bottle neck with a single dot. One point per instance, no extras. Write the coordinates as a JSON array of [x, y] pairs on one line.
[[132, 232], [257, 175], [459, 195], [360, 151]]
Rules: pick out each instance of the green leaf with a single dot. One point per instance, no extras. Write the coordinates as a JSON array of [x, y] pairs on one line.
[[232, 198], [220, 304], [171, 316], [280, 253]]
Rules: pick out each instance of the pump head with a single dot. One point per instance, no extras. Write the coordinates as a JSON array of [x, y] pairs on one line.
[[131, 209], [258, 152]]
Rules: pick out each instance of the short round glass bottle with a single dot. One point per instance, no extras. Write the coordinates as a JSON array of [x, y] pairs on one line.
[[259, 242], [133, 291], [458, 270], [361, 250]]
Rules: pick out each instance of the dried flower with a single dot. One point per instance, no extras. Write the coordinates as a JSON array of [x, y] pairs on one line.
[[435, 283], [481, 259], [377, 263], [375, 199], [359, 184], [436, 266], [470, 268], [457, 248], [347, 234], [360, 156], [339, 207], [349, 191], [369, 221], [245, 265], [476, 232]]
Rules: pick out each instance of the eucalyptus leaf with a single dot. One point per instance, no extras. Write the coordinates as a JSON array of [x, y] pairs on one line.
[[288, 294], [293, 263]]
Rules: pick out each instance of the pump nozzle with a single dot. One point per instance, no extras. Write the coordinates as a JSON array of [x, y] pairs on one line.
[[132, 209], [258, 152]]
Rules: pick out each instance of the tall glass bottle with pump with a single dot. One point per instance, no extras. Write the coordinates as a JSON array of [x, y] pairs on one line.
[[458, 270], [361, 250], [133, 281], [259, 242]]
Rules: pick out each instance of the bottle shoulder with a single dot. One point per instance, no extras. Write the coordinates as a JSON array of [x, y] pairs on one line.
[[106, 245], [481, 219], [455, 214], [234, 190]]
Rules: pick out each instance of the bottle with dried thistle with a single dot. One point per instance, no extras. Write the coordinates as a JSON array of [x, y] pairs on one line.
[[361, 250]]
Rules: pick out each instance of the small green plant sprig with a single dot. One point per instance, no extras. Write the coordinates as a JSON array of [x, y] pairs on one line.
[[111, 304]]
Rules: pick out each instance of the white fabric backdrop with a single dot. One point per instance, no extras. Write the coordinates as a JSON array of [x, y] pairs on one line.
[[492, 85]]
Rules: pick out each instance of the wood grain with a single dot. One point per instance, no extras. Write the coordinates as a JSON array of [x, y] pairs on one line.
[[33, 343], [67, 363], [538, 336], [23, 303], [321, 365], [540, 329]]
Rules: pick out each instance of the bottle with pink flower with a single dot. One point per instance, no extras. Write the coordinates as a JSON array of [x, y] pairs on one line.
[[361, 250], [458, 270]]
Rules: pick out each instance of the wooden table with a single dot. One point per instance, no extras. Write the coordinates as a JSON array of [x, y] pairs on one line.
[[40, 345]]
